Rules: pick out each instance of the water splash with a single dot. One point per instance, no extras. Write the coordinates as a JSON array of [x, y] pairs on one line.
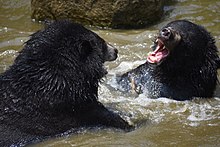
[[136, 108]]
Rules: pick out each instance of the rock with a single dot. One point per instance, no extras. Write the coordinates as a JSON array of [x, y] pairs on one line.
[[103, 13]]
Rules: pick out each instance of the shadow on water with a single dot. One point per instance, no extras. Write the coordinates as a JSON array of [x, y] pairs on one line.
[[164, 122]]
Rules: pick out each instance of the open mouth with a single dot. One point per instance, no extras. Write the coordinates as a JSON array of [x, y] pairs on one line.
[[160, 53]]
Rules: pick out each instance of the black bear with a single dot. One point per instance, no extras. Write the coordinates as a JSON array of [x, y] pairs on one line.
[[52, 85], [182, 65]]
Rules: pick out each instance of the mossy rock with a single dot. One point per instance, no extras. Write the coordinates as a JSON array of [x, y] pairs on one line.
[[103, 13]]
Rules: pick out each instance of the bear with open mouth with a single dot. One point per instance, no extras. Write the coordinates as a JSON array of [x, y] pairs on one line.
[[183, 64]]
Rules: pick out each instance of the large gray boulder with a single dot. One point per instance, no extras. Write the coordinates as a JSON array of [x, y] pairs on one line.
[[103, 13]]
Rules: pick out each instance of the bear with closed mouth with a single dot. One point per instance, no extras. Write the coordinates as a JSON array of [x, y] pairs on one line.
[[52, 86], [183, 64]]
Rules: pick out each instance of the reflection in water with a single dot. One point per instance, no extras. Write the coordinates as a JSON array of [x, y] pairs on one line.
[[160, 122]]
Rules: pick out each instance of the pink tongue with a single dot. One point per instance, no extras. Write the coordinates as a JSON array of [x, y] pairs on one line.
[[156, 57]]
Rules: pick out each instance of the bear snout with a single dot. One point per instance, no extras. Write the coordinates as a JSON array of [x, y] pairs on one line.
[[112, 53]]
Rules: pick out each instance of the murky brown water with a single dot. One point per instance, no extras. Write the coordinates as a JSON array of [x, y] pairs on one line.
[[163, 122]]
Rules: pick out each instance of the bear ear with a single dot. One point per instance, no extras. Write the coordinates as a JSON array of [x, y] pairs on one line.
[[85, 49]]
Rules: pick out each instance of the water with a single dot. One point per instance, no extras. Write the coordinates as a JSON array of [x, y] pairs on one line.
[[161, 122]]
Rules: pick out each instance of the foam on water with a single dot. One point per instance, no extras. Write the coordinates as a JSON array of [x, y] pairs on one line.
[[7, 57], [136, 108]]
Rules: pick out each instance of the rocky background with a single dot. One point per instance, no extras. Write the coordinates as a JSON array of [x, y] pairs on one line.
[[103, 13]]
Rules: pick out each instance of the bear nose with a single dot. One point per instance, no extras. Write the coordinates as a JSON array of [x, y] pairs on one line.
[[116, 51], [165, 33]]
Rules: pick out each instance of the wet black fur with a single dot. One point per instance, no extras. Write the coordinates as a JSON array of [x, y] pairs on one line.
[[189, 71], [52, 86]]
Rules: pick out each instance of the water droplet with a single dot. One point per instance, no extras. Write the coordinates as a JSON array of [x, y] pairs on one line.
[[5, 29], [16, 100], [6, 109]]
